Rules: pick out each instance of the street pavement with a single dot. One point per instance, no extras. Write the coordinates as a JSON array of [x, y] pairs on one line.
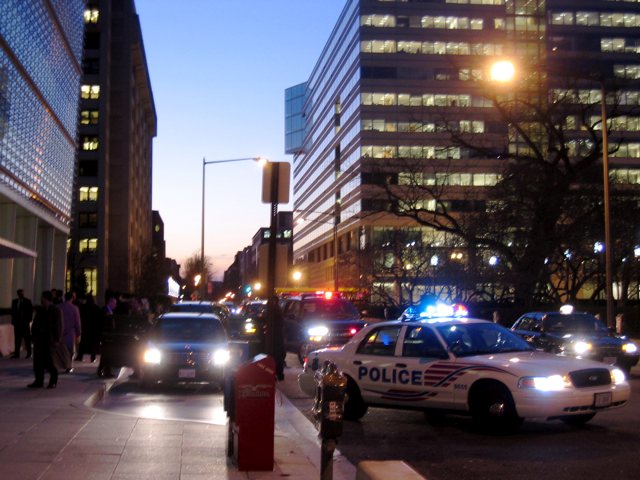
[[57, 434]]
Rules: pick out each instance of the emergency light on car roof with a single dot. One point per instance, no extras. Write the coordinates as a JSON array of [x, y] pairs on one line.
[[444, 310], [566, 309]]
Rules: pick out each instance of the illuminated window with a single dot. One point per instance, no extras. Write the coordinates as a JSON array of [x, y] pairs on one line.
[[91, 274], [88, 194], [91, 15], [631, 72], [89, 117], [90, 92], [88, 245], [89, 143]]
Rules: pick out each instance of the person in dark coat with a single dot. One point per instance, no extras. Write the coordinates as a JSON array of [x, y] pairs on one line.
[[107, 327], [90, 318], [21, 316], [46, 333]]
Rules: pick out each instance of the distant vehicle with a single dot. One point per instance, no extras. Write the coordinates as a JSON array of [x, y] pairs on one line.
[[318, 320], [576, 334], [466, 366], [248, 321], [185, 347]]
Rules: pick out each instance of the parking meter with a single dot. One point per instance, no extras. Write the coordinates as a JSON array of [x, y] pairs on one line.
[[328, 410]]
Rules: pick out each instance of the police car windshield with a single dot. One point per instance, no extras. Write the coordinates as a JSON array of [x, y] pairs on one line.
[[191, 307], [466, 339], [328, 308], [575, 322]]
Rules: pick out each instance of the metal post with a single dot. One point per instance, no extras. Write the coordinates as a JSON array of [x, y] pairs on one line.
[[336, 284], [608, 245], [202, 278], [326, 458]]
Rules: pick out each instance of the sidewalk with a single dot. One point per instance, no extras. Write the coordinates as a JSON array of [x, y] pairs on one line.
[[56, 434]]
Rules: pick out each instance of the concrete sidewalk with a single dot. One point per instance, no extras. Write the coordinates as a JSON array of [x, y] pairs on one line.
[[56, 434]]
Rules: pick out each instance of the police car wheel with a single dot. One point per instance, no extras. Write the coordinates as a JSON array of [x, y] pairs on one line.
[[354, 406], [493, 408], [577, 419]]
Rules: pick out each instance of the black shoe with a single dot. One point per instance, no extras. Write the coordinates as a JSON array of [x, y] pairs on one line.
[[28, 356], [68, 370], [35, 385], [52, 385], [15, 356]]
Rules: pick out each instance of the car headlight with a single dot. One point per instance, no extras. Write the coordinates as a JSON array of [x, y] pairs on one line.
[[629, 348], [581, 348], [552, 383], [249, 326], [152, 355], [618, 376], [221, 356], [316, 333]]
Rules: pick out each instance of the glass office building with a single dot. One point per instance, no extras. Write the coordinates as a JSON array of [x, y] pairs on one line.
[[396, 76], [40, 57]]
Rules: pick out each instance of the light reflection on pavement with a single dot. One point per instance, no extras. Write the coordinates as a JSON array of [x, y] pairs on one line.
[[198, 403]]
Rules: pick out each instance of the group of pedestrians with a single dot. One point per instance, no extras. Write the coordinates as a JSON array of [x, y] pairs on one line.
[[54, 336]]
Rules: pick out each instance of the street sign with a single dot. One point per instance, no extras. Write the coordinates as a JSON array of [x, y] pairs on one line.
[[273, 172]]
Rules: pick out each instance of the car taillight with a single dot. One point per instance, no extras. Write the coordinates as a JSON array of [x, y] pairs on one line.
[[353, 331]]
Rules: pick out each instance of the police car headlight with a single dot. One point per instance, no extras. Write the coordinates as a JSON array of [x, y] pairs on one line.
[[618, 376], [581, 348], [629, 348], [553, 383], [221, 356], [316, 333], [152, 356]]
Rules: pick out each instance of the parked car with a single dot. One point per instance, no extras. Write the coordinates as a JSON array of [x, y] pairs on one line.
[[576, 334], [466, 366], [185, 347], [313, 321]]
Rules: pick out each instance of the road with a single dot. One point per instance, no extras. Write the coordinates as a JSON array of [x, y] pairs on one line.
[[441, 448]]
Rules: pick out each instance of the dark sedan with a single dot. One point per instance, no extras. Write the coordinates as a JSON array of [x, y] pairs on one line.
[[576, 334], [185, 347]]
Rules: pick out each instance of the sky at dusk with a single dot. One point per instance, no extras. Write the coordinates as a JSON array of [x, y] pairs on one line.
[[218, 71]]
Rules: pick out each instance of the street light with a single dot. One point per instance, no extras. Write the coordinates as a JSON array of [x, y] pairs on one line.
[[206, 162], [336, 283], [504, 71]]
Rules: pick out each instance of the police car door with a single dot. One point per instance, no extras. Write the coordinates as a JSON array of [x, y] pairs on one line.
[[374, 365], [426, 360]]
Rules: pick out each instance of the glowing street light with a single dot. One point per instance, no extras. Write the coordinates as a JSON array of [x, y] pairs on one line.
[[502, 71]]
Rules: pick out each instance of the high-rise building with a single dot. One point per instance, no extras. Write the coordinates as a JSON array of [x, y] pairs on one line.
[[112, 227], [396, 77], [40, 58]]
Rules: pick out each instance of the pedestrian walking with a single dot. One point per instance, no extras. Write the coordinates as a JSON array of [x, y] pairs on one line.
[[21, 316], [72, 330], [46, 333]]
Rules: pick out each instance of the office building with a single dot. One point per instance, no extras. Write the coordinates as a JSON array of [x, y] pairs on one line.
[[40, 58], [396, 77], [112, 228]]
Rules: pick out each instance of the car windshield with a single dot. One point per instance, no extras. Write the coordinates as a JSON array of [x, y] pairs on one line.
[[325, 308], [575, 322], [466, 339], [253, 309], [190, 329], [191, 307]]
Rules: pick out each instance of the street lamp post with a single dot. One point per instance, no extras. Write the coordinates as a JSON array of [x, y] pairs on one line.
[[205, 162], [608, 246]]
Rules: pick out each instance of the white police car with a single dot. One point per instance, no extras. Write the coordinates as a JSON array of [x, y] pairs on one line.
[[467, 366]]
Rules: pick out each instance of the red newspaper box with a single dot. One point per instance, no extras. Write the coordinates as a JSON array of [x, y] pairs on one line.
[[253, 424]]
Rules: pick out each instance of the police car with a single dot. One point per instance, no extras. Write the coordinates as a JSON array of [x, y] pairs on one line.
[[466, 366]]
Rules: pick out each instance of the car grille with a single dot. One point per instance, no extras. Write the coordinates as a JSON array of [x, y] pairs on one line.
[[591, 377], [187, 358]]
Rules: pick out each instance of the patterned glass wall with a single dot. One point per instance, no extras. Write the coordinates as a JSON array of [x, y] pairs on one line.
[[39, 91]]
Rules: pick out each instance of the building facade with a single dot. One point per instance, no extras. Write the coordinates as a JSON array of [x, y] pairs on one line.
[[398, 79], [40, 59], [112, 228]]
